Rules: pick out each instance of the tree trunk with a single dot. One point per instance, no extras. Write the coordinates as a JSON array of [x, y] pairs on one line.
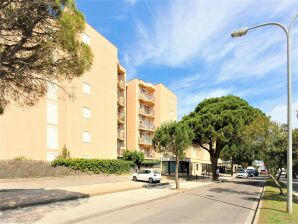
[[277, 184], [177, 173], [232, 167], [214, 167], [279, 174]]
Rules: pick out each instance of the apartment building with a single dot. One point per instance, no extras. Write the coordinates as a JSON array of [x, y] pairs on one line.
[[90, 126], [148, 107]]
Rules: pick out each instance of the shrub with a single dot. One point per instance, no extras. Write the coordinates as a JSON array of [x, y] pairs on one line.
[[150, 163], [107, 166], [20, 158], [65, 153]]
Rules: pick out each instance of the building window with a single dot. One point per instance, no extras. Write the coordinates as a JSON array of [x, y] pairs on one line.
[[52, 156], [86, 157], [197, 167], [52, 137], [172, 101], [85, 38], [86, 88], [52, 91], [86, 137], [52, 113], [86, 112]]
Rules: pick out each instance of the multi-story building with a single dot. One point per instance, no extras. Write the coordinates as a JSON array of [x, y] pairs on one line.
[[148, 106], [91, 126]]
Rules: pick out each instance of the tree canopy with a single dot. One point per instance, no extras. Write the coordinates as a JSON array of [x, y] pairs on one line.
[[136, 156], [173, 138], [39, 43], [218, 123]]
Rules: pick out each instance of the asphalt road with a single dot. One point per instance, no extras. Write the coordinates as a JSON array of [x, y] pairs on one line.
[[229, 202], [224, 202], [295, 183]]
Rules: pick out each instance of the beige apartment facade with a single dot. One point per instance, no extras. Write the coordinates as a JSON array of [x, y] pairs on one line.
[[148, 107], [92, 125]]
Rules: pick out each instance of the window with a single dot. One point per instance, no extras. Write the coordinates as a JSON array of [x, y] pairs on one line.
[[85, 38], [86, 137], [197, 167], [52, 156], [52, 137], [86, 157], [86, 112], [52, 91], [172, 101], [52, 113], [86, 88]]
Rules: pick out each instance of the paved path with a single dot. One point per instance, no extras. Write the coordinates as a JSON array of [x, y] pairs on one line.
[[227, 202]]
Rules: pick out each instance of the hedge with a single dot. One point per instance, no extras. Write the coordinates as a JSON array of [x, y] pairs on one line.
[[149, 163], [107, 166]]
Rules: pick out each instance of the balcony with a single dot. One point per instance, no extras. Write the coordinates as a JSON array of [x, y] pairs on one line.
[[145, 140], [147, 97], [121, 83], [121, 117], [121, 100], [121, 134], [148, 153], [146, 126], [144, 112]]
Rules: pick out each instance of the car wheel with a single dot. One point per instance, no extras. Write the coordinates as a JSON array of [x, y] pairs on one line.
[[158, 181], [134, 178], [150, 180]]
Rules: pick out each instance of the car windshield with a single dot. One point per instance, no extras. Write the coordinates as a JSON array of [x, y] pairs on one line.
[[156, 172], [240, 171]]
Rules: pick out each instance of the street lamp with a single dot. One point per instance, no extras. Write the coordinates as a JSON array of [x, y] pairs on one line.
[[287, 31]]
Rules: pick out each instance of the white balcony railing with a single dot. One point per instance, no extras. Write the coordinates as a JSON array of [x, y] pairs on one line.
[[121, 134], [146, 96], [146, 112], [121, 116], [145, 140], [146, 125]]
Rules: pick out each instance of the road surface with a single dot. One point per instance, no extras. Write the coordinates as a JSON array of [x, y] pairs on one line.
[[226, 202]]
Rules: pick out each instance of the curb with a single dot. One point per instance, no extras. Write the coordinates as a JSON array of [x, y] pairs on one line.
[[257, 212]]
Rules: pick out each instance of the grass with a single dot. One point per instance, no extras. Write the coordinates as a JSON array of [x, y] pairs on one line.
[[274, 206]]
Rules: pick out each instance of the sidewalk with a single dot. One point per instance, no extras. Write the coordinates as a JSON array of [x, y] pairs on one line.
[[48, 190]]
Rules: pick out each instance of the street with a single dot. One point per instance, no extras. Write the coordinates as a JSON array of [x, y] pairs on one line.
[[223, 202]]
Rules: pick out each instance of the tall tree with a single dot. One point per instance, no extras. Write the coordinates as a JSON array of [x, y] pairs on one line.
[[218, 122], [39, 45], [270, 139], [173, 138]]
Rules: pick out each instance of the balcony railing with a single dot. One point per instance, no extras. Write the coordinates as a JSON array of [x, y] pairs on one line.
[[146, 125], [147, 112], [121, 116], [146, 96], [121, 99], [121, 83], [121, 133], [145, 140], [148, 153]]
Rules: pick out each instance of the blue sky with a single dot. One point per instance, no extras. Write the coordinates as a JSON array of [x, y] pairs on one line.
[[187, 46]]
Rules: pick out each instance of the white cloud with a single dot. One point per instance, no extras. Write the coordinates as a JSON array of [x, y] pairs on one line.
[[131, 2], [279, 113]]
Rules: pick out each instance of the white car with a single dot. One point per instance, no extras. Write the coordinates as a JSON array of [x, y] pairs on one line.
[[241, 173], [149, 175]]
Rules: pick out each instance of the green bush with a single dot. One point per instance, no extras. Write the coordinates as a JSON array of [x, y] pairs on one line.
[[149, 163], [107, 166]]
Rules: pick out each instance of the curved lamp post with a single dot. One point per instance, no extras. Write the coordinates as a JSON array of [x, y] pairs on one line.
[[243, 31]]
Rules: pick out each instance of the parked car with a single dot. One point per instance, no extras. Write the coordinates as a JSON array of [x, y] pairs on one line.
[[256, 173], [264, 172], [250, 171], [149, 175], [241, 173]]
